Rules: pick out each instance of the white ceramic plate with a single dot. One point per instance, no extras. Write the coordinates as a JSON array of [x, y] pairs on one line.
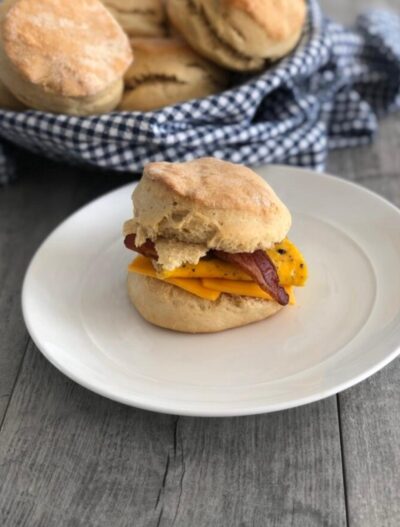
[[345, 327]]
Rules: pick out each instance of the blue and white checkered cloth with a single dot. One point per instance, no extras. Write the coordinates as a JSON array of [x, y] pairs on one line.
[[327, 94]]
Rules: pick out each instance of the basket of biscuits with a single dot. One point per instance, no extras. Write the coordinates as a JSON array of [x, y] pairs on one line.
[[118, 83], [115, 84]]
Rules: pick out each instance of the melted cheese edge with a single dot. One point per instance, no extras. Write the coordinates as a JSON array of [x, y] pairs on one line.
[[288, 260], [209, 278], [144, 266]]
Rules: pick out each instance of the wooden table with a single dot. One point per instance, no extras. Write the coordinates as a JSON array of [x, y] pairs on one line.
[[71, 458]]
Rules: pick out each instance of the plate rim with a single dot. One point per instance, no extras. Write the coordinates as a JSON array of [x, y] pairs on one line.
[[168, 406]]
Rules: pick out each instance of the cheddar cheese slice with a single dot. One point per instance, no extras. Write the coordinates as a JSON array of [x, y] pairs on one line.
[[196, 287], [240, 288], [211, 277], [289, 263], [210, 268], [143, 265]]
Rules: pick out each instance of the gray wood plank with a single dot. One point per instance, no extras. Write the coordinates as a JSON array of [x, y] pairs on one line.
[[282, 469], [369, 412], [371, 438], [71, 458], [43, 196], [376, 166], [26, 217], [346, 11]]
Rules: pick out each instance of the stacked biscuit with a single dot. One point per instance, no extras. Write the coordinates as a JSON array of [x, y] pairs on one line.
[[140, 18], [59, 57], [210, 39], [95, 56]]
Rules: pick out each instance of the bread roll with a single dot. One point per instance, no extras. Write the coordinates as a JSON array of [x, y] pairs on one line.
[[207, 201], [139, 18], [167, 71], [239, 34], [173, 308], [63, 57]]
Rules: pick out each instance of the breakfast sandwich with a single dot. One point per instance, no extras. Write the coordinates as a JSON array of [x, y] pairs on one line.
[[213, 247]]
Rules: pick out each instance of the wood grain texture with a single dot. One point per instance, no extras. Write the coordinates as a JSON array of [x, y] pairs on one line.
[[26, 217], [369, 412], [30, 209], [376, 166], [371, 438], [274, 470], [73, 458]]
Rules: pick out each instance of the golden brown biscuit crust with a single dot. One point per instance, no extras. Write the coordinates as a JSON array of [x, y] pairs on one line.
[[239, 34], [139, 18], [215, 184], [210, 202], [74, 51], [173, 308], [280, 18], [167, 71]]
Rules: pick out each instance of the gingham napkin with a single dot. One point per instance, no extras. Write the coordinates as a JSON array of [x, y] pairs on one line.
[[327, 94]]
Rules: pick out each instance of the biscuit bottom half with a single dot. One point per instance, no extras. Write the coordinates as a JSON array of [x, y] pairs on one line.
[[167, 306]]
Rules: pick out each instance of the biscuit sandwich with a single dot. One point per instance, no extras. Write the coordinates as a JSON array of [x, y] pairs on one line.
[[167, 71], [213, 251], [239, 34], [63, 57]]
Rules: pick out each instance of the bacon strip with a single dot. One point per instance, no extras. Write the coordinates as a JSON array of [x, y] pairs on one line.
[[147, 249], [258, 265]]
